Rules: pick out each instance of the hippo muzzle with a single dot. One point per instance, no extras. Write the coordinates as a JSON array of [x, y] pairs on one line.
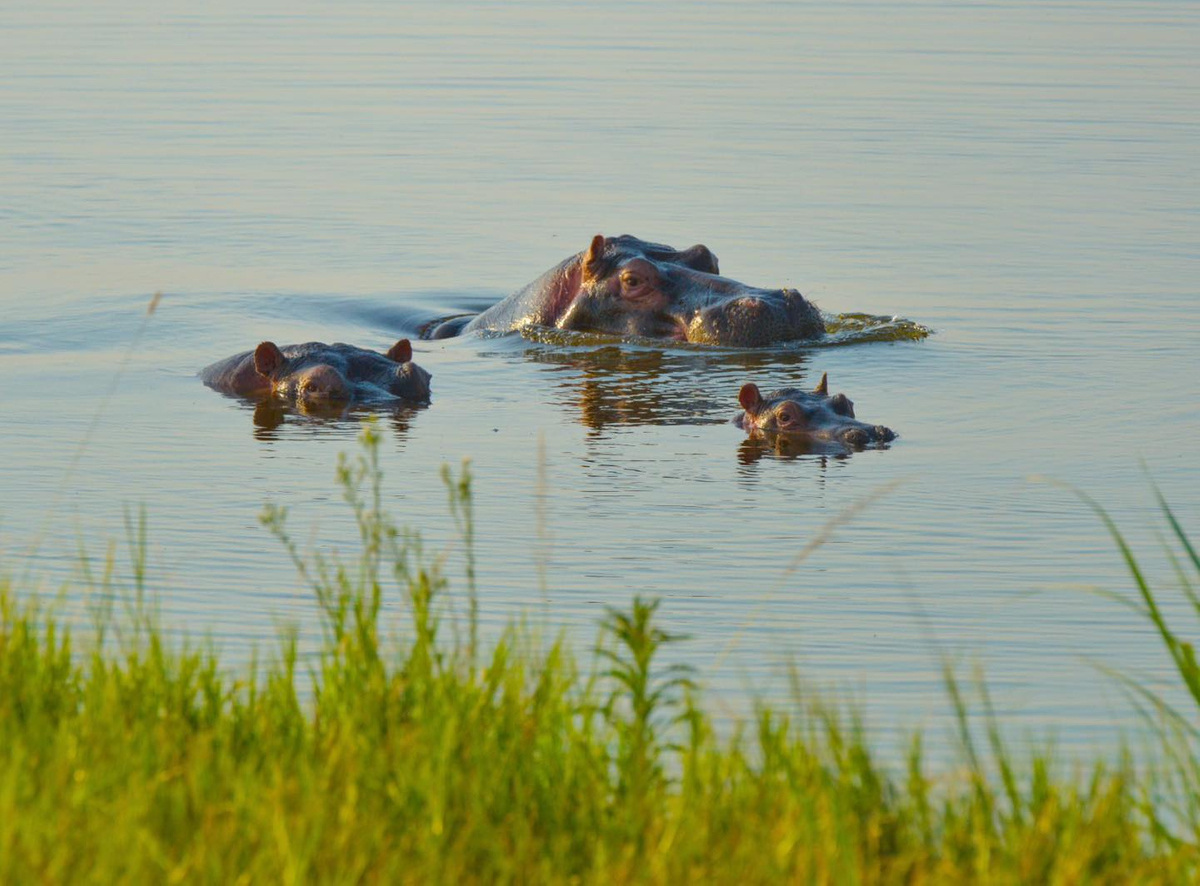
[[323, 384], [754, 319]]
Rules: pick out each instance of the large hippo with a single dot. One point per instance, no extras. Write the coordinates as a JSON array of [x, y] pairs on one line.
[[317, 374], [626, 286], [821, 422]]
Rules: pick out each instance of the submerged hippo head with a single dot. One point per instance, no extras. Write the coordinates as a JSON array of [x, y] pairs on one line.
[[811, 416], [318, 375], [338, 373], [631, 287], [626, 286]]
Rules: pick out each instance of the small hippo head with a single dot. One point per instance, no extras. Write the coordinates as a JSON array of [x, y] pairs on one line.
[[813, 416], [628, 286], [317, 375]]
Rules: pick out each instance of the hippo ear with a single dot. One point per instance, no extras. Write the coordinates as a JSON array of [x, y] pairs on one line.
[[842, 405], [267, 358], [823, 385], [401, 351], [593, 257], [701, 258], [750, 398]]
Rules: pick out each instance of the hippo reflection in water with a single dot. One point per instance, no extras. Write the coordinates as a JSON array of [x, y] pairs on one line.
[[628, 386], [626, 286], [322, 377], [808, 421]]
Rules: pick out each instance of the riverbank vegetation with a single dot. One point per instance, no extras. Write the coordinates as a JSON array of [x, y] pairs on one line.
[[125, 757]]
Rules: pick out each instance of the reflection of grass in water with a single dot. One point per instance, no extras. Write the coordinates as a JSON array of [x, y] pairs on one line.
[[122, 758]]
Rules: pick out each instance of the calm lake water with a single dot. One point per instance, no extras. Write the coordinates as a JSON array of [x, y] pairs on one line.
[[1021, 178]]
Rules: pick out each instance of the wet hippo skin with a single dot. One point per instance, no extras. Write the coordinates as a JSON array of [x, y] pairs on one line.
[[809, 416], [626, 286], [315, 373]]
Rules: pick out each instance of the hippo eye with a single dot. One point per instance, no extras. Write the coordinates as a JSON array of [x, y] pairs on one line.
[[630, 279], [788, 416]]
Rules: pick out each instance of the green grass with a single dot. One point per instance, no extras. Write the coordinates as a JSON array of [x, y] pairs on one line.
[[124, 758]]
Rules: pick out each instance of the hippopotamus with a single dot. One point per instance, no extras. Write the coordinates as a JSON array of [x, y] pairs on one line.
[[626, 286], [816, 420], [317, 374]]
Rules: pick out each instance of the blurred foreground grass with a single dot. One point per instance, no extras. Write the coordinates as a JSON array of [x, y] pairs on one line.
[[126, 759]]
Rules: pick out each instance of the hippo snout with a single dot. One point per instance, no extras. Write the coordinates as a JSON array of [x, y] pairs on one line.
[[867, 435], [755, 318], [324, 383], [412, 383]]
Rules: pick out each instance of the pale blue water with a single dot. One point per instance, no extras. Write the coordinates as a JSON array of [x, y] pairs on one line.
[[1022, 178]]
